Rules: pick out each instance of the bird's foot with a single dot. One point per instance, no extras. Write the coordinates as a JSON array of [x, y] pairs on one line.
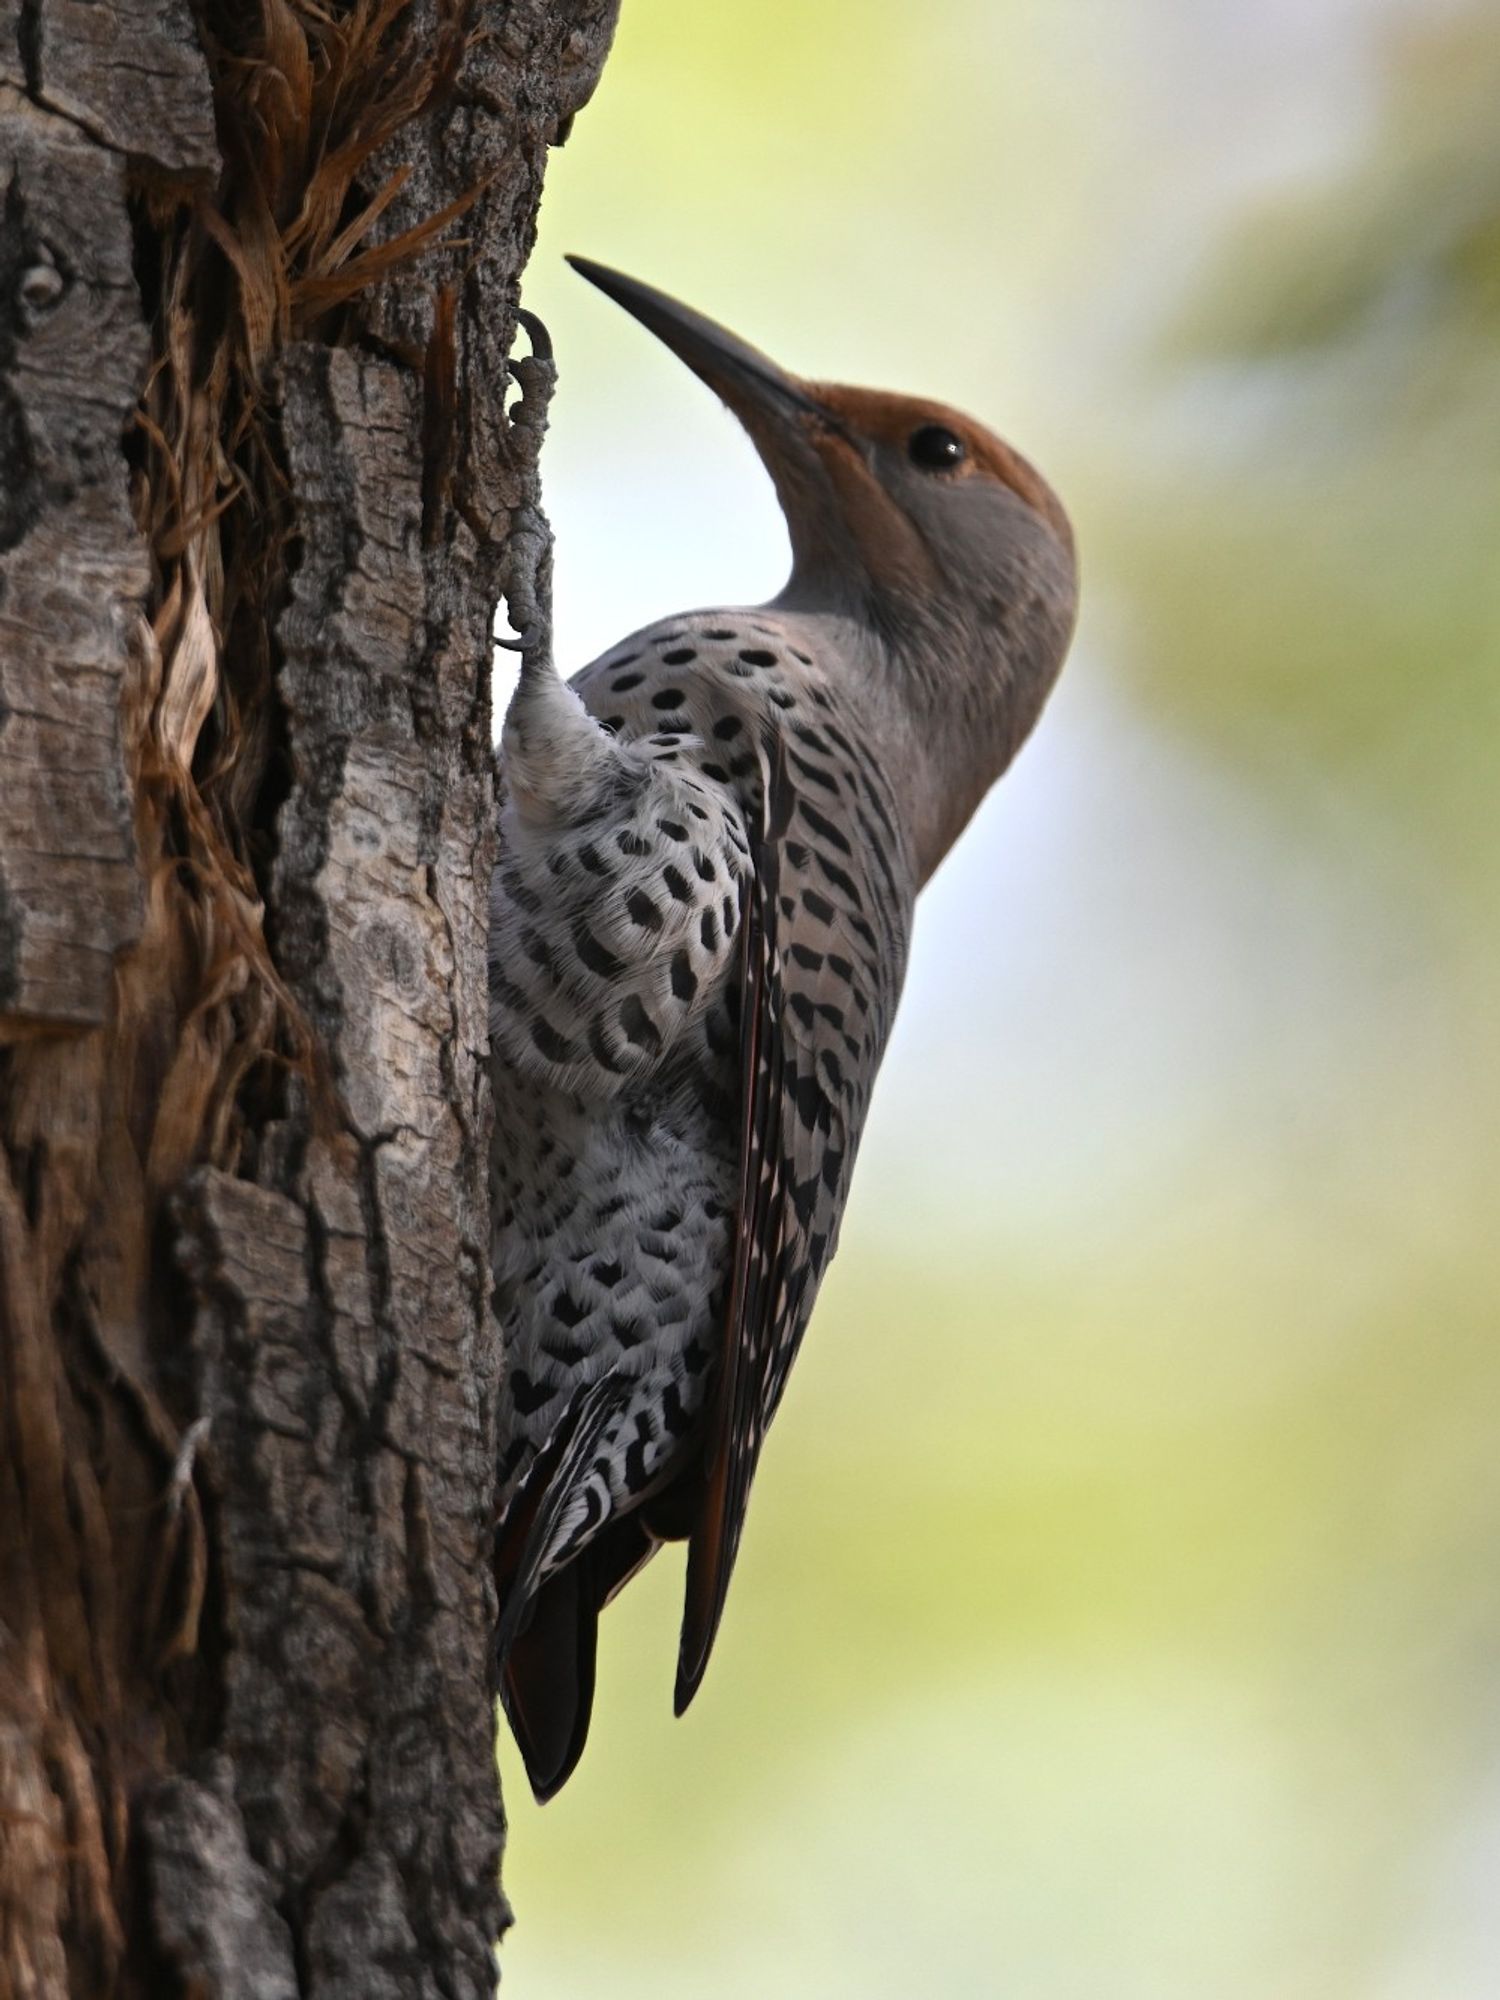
[[535, 375], [526, 580]]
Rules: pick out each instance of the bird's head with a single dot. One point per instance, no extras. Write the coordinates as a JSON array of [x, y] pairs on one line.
[[942, 545]]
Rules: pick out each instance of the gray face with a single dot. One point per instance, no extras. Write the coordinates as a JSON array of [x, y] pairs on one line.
[[999, 558], [977, 628], [974, 525], [1005, 583]]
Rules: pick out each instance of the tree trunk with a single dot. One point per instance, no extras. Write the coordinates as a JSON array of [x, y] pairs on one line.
[[258, 486]]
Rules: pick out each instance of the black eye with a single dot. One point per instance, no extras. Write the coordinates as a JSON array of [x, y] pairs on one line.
[[934, 447]]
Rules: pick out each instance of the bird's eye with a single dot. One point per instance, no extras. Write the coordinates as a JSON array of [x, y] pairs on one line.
[[934, 447]]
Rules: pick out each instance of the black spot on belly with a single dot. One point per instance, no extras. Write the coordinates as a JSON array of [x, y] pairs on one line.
[[678, 657], [630, 842], [757, 656], [638, 1024], [597, 957], [538, 951], [708, 930], [684, 979], [623, 683], [727, 728], [528, 1396], [673, 829], [523, 898], [551, 1044], [643, 911], [567, 1310], [606, 1274], [668, 698]]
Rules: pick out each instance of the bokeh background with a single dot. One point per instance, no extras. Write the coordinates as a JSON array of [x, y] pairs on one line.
[[1119, 1610]]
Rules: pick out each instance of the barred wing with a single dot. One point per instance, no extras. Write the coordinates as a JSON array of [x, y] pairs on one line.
[[824, 941]]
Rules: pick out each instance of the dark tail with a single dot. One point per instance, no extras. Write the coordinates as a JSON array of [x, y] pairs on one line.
[[547, 1672], [548, 1681]]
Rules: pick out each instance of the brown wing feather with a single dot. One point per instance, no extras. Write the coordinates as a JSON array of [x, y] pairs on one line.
[[805, 1085], [715, 1533]]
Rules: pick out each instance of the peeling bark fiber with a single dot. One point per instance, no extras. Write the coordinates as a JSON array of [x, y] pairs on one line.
[[259, 263]]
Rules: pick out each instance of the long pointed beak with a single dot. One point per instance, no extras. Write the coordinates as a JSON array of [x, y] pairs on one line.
[[739, 374], [845, 530]]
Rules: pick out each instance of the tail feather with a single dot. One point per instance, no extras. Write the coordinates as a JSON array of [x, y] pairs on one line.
[[547, 1683]]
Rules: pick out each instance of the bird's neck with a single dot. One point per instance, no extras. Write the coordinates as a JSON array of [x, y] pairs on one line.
[[924, 720]]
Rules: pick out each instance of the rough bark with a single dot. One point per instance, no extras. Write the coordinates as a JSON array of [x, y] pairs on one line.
[[258, 488]]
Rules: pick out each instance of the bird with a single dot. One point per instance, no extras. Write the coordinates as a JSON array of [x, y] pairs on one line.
[[711, 841]]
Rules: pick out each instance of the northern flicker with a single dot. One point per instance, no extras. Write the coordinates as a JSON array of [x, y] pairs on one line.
[[711, 842]]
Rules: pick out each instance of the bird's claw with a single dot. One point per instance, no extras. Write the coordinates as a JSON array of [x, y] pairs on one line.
[[536, 333], [532, 639], [535, 375]]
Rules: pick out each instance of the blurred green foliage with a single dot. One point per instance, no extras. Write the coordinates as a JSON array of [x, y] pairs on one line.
[[1118, 1611], [1346, 617]]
